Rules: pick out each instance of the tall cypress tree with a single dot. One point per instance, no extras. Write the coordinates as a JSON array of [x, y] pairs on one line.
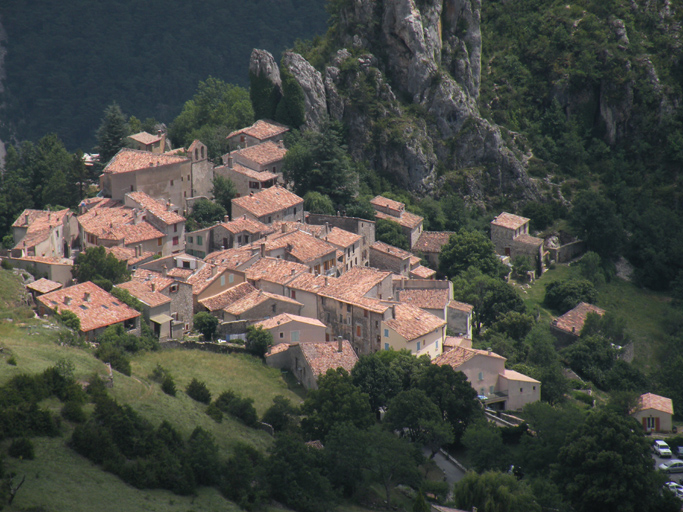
[[112, 133]]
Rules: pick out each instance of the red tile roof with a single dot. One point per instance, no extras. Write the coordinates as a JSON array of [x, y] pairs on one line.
[[275, 270], [163, 211], [253, 175], [43, 285], [285, 318], [516, 376], [261, 130], [460, 306], [411, 322], [268, 201], [145, 138], [342, 238], [227, 297], [385, 202], [117, 223], [529, 240], [509, 221], [572, 321], [231, 258], [307, 282], [303, 246], [150, 277], [144, 293], [426, 299], [245, 224], [40, 225], [432, 241], [127, 254], [407, 219], [94, 307], [390, 250], [354, 284], [460, 355], [203, 277], [255, 298], [262, 154], [656, 402], [325, 356], [128, 160], [421, 272]]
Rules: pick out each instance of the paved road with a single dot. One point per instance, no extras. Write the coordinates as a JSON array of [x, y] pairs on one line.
[[451, 472]]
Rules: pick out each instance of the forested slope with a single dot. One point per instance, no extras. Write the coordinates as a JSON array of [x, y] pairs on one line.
[[67, 60]]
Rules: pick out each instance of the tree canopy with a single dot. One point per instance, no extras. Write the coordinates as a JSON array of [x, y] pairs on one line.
[[104, 269], [467, 249]]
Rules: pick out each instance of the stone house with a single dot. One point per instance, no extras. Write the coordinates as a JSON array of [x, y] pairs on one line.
[[429, 244], [237, 259], [95, 308], [289, 328], [199, 242], [273, 275], [164, 217], [361, 227], [55, 269], [265, 157], [261, 131], [144, 141], [510, 236], [236, 233], [162, 176], [202, 171], [177, 290], [496, 385], [156, 307], [270, 205], [132, 256], [302, 247], [258, 304], [654, 413], [414, 329], [44, 234], [304, 288], [247, 180], [350, 246], [42, 286], [567, 328], [388, 209], [308, 361], [211, 280], [392, 259]]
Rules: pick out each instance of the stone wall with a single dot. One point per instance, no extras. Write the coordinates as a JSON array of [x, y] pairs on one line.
[[362, 227], [567, 252]]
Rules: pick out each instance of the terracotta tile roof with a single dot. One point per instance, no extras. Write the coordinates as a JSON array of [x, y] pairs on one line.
[[325, 356], [196, 144], [231, 258], [182, 273], [116, 224], [145, 138], [572, 321], [432, 241], [144, 293], [354, 284], [276, 349], [426, 299], [300, 245], [261, 130], [99, 310], [40, 225], [656, 402], [285, 226], [253, 299], [385, 202], [150, 277], [253, 175], [268, 201], [414, 261], [519, 377], [509, 221], [460, 355], [43, 285], [127, 254], [460, 306], [98, 202], [307, 282], [390, 250], [156, 208], [407, 219], [421, 272], [528, 239], [227, 297], [47, 259], [275, 270], [342, 238], [133, 234], [411, 322], [455, 341], [285, 318], [203, 277], [262, 154], [128, 160]]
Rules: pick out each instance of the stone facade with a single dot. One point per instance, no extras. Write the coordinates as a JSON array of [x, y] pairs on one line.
[[364, 228]]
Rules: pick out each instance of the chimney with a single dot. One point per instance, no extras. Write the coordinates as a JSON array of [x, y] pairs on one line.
[[67, 300], [163, 141], [137, 251], [26, 218], [293, 271], [153, 286], [263, 250], [244, 216], [168, 206], [164, 271], [140, 249], [393, 311], [338, 214], [230, 161], [213, 270], [281, 144], [327, 227], [284, 227], [86, 297], [340, 344], [488, 349], [226, 218], [251, 194], [325, 280]]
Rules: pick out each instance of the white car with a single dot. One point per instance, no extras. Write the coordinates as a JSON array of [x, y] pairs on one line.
[[672, 466], [661, 448], [677, 489]]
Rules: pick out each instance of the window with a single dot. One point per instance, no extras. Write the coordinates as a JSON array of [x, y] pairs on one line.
[[293, 294], [358, 330], [491, 388], [282, 335], [173, 288], [295, 336], [274, 307], [171, 182], [386, 346], [328, 318], [200, 240], [365, 313], [376, 324], [534, 388], [521, 390], [270, 219], [239, 240], [175, 240], [295, 210], [386, 333], [159, 241], [223, 280], [131, 188], [348, 308], [175, 228], [437, 345], [341, 318], [231, 278], [190, 240], [253, 184], [188, 177], [418, 346], [481, 375]]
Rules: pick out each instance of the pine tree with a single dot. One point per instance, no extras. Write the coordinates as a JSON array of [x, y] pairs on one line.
[[112, 133]]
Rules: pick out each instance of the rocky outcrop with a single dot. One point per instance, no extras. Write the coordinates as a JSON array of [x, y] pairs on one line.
[[262, 63], [311, 82]]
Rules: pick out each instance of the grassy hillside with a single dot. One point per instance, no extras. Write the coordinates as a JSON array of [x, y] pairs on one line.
[[59, 479]]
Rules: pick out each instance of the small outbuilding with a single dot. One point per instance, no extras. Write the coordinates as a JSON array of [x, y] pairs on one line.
[[654, 413]]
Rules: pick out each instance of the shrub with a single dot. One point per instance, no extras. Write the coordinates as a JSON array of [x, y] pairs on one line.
[[214, 413], [168, 386], [241, 408], [198, 391], [567, 294], [72, 411], [21, 448], [115, 356], [206, 323], [6, 265], [258, 340], [281, 414], [12, 361]]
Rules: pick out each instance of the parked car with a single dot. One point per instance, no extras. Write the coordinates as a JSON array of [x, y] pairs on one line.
[[672, 466], [677, 489], [679, 452], [661, 448]]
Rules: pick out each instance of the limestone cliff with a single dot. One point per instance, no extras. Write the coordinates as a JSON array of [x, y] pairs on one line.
[[406, 82]]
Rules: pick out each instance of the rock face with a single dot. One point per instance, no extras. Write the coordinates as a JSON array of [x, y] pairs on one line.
[[425, 52], [262, 63]]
